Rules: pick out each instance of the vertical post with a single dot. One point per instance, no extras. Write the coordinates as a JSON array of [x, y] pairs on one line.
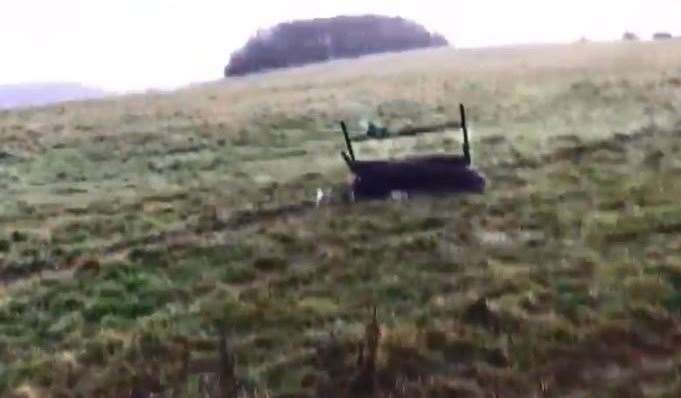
[[226, 377], [466, 148], [364, 380], [347, 141]]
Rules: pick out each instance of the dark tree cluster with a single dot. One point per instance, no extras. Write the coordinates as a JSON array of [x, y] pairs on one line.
[[662, 36], [303, 42], [629, 36]]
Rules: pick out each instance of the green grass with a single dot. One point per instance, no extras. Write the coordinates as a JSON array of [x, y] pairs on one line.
[[132, 227]]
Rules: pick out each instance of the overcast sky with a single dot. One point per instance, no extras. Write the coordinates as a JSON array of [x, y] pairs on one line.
[[125, 45]]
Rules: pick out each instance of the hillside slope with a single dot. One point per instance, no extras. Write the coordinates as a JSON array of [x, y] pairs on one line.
[[132, 228]]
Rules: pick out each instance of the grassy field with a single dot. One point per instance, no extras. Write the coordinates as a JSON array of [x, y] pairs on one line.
[[132, 228]]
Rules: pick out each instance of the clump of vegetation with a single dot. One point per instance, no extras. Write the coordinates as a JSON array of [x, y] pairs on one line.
[[269, 264]]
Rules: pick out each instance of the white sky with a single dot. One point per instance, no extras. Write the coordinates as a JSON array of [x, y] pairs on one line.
[[138, 44]]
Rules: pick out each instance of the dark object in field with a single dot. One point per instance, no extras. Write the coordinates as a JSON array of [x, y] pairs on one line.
[[377, 132], [374, 132], [6, 157], [422, 174]]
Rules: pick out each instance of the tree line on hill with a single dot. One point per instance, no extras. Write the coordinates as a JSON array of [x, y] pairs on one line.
[[630, 36], [303, 42]]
